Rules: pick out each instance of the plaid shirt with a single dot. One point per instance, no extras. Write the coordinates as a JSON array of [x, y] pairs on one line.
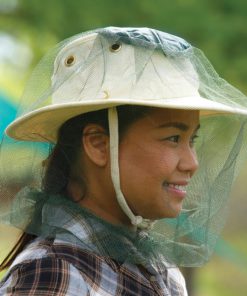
[[58, 267]]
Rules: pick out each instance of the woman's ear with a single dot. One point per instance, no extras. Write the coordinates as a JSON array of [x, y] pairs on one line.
[[96, 144]]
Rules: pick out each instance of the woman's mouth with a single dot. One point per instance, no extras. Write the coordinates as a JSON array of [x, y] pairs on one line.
[[176, 189]]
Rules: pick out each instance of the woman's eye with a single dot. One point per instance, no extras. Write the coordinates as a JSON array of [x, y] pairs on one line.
[[177, 138], [193, 139], [173, 139]]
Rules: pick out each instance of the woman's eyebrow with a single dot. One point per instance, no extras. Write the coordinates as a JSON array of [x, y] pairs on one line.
[[179, 125]]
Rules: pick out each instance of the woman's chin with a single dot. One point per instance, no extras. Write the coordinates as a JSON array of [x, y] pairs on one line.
[[162, 215]]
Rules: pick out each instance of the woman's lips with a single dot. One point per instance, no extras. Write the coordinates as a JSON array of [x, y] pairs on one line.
[[176, 189]]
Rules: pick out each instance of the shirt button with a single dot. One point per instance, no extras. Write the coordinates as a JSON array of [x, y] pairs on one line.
[[152, 278]]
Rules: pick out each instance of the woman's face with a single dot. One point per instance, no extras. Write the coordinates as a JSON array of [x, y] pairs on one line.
[[157, 159]]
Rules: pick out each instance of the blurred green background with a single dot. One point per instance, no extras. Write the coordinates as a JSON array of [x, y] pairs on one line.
[[219, 27]]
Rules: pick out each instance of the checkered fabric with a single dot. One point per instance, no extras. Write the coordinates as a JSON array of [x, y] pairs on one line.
[[58, 267]]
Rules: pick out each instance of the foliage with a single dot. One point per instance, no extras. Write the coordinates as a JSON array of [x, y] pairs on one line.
[[216, 26]]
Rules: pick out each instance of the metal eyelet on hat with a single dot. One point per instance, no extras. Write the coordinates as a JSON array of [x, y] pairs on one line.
[[69, 61], [115, 47]]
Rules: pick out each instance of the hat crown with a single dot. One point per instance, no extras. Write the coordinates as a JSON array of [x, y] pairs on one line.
[[116, 63]]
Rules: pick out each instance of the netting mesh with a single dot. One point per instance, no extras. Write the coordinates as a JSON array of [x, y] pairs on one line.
[[112, 67]]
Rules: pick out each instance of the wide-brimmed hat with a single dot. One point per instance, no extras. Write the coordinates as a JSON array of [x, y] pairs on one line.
[[103, 69]]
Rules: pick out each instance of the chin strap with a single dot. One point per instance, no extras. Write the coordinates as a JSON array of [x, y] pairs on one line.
[[137, 221]]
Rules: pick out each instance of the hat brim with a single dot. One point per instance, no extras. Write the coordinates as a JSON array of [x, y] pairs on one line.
[[42, 124]]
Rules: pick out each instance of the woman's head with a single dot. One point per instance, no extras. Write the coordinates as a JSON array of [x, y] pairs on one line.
[[156, 161], [102, 70]]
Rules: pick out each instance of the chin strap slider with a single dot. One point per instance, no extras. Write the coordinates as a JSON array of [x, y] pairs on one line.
[[142, 223]]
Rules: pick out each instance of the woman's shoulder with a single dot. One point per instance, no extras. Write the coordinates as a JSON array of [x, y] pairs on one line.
[[54, 250], [37, 249], [38, 270]]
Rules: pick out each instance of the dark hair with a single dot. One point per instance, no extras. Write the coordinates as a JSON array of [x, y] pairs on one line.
[[60, 166]]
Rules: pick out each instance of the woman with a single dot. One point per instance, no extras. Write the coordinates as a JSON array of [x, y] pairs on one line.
[[122, 202]]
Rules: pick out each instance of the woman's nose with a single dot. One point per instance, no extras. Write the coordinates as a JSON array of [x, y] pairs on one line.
[[188, 161]]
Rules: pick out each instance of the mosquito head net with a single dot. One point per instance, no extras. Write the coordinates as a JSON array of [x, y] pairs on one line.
[[116, 72]]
